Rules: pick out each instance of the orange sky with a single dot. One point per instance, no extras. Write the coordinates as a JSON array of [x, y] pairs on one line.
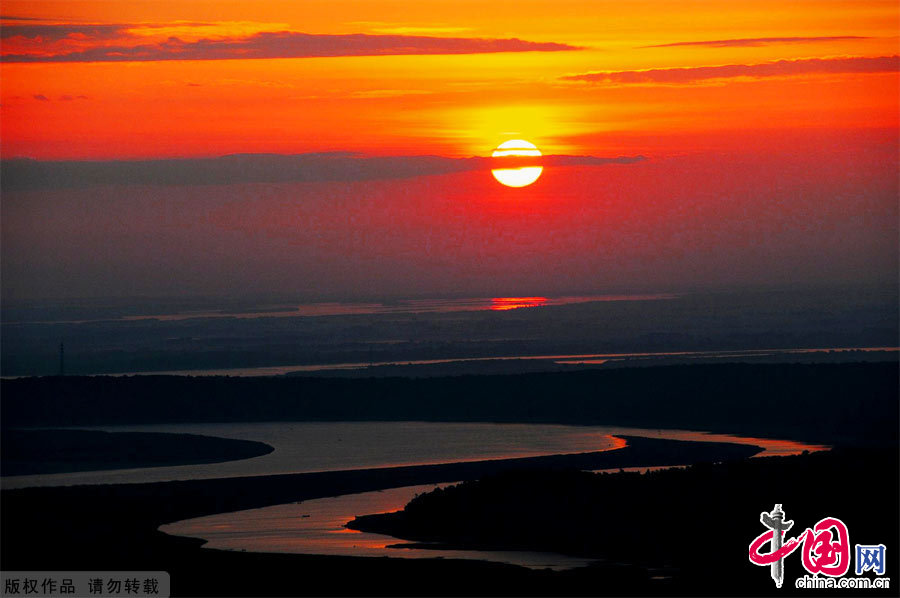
[[757, 145], [823, 77]]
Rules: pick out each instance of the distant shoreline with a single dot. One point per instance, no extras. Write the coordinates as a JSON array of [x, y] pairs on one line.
[[520, 364]]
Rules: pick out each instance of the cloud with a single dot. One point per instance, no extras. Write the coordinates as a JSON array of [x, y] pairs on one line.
[[9, 18], [408, 28], [22, 173], [807, 66], [41, 97], [119, 43], [376, 94], [412, 30], [55, 32], [109, 31], [757, 41]]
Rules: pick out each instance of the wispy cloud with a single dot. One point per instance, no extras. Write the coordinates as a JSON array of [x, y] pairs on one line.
[[420, 30], [16, 18], [376, 94], [758, 41], [400, 28], [808, 66], [49, 31], [19, 174], [53, 32], [119, 43]]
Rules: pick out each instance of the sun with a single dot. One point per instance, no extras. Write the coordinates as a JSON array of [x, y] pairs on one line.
[[524, 167]]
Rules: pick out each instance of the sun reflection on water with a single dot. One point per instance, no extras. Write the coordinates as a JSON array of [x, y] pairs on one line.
[[506, 303]]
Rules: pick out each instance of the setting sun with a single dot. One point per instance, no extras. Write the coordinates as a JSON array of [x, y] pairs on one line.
[[510, 155]]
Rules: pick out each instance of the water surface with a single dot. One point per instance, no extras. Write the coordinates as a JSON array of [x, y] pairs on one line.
[[303, 447], [317, 527]]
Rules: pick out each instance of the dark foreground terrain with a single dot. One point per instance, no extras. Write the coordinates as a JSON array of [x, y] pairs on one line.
[[114, 527], [690, 526], [678, 532]]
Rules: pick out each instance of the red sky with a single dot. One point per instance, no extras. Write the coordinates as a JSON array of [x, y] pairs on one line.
[[769, 130]]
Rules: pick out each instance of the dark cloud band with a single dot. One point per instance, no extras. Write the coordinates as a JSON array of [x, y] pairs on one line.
[[21, 174], [759, 41], [882, 64], [276, 44]]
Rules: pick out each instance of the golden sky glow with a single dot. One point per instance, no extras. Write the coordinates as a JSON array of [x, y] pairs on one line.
[[454, 104]]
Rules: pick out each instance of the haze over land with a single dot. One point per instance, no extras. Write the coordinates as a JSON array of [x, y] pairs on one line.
[[114, 336]]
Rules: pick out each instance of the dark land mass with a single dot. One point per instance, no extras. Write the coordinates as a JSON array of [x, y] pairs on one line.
[[507, 366], [114, 527], [851, 404], [25, 452], [692, 525]]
